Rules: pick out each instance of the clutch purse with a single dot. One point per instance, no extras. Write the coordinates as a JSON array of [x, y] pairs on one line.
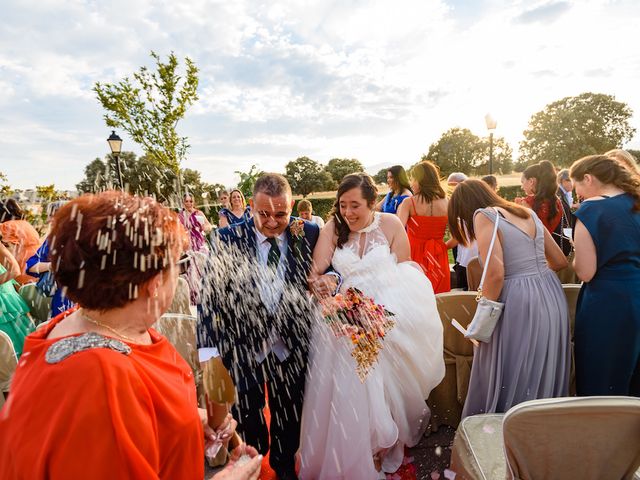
[[489, 311]]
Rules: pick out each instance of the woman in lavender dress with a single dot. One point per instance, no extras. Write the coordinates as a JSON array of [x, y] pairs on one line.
[[197, 227], [528, 355]]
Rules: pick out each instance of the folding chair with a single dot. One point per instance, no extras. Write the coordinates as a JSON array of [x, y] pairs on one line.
[[8, 364], [447, 399], [474, 273], [589, 438]]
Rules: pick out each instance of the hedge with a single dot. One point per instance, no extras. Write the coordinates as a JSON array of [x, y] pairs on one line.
[[322, 206]]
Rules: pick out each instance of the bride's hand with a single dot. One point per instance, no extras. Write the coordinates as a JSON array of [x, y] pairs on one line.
[[323, 286]]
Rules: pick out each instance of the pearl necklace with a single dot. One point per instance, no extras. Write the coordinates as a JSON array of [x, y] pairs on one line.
[[108, 327]]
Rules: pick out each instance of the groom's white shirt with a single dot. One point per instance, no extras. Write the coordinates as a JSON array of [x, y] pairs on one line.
[[271, 290]]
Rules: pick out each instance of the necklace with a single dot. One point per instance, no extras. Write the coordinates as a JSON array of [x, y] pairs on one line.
[[108, 327]]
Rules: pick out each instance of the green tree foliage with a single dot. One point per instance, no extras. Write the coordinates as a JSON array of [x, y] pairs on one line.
[[5, 188], [248, 180], [380, 177], [339, 167], [457, 150], [47, 193], [502, 158], [141, 176], [150, 106], [307, 176], [574, 127]]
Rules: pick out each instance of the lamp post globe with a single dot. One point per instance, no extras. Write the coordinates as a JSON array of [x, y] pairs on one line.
[[115, 143]]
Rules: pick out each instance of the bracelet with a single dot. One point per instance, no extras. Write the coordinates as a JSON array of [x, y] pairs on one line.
[[339, 277]]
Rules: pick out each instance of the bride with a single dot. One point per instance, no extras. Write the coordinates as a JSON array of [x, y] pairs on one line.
[[353, 429]]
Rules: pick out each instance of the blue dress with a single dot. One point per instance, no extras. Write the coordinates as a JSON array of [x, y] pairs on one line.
[[232, 219], [59, 303], [391, 203], [607, 331]]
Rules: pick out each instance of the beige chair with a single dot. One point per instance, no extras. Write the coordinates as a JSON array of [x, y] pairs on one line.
[[181, 301], [39, 305], [447, 399], [587, 438], [180, 330], [8, 364], [571, 290], [474, 273]]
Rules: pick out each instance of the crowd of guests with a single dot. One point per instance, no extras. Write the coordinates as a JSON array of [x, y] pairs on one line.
[[580, 224]]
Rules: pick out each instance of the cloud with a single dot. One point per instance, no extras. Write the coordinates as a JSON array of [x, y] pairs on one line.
[[544, 13]]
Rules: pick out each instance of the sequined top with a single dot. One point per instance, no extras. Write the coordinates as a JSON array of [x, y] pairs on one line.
[[100, 408]]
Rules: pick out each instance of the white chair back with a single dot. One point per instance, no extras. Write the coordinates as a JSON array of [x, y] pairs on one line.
[[8, 364], [588, 438], [180, 330]]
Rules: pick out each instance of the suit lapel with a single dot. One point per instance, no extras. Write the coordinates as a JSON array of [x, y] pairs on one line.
[[250, 232], [291, 261]]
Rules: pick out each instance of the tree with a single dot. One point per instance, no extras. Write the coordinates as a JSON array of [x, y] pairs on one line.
[[339, 167], [574, 127], [502, 157], [47, 193], [141, 176], [248, 180], [150, 107], [5, 188], [457, 150], [381, 176], [306, 176]]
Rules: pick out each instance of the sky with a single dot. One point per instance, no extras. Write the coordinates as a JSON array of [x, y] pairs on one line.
[[376, 80]]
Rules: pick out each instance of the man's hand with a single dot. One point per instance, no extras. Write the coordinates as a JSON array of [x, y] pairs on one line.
[[323, 286]]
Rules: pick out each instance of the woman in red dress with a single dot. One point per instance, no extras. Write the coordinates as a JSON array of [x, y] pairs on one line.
[[540, 184], [98, 393], [425, 216]]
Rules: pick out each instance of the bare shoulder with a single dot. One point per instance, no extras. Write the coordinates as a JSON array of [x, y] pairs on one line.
[[390, 223]]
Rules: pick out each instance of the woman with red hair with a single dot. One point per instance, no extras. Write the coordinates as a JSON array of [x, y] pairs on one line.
[[99, 393]]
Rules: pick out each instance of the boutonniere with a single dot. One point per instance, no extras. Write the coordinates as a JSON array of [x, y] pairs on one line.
[[297, 228]]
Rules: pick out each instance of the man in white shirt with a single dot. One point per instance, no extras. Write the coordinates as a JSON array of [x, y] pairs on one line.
[[305, 211], [257, 313]]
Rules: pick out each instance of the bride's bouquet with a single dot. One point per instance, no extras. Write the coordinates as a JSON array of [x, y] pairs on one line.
[[363, 321]]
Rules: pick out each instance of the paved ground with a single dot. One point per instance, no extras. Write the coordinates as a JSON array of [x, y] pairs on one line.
[[431, 456]]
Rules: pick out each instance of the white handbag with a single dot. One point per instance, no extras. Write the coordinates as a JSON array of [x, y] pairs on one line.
[[488, 312]]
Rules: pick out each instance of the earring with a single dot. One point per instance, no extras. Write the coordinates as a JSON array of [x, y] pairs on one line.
[[155, 294]]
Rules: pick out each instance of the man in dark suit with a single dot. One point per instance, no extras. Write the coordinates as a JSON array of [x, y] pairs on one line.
[[257, 310], [565, 194]]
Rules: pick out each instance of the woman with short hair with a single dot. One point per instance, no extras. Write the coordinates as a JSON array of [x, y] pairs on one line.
[[98, 393]]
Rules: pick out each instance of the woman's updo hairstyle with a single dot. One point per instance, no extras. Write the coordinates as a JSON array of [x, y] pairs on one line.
[[369, 192], [546, 186]]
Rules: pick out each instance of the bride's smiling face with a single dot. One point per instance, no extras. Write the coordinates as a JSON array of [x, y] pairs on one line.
[[355, 209]]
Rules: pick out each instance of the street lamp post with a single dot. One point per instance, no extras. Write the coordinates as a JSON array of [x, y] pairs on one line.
[[491, 126], [115, 143]]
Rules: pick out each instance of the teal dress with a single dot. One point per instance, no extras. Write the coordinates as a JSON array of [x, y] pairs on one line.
[[14, 318], [607, 330]]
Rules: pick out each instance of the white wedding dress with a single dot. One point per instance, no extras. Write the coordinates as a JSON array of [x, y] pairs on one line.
[[345, 421]]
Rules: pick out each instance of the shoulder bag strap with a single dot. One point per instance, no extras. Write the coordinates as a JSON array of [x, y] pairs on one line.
[[489, 252]]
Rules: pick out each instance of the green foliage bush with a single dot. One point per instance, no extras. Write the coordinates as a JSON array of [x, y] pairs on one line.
[[511, 192]]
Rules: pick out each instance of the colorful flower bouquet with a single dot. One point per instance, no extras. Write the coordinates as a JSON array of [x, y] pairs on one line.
[[364, 322]]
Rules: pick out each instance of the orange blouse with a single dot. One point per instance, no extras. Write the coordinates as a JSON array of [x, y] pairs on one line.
[[101, 414]]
